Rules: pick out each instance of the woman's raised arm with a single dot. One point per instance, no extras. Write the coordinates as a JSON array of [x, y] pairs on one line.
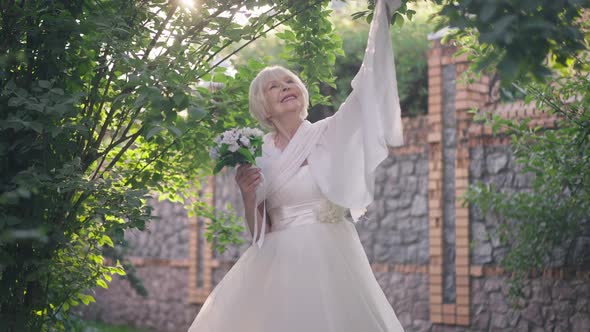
[[373, 103], [356, 138]]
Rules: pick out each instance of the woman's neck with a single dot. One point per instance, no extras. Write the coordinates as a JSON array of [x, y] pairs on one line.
[[285, 130]]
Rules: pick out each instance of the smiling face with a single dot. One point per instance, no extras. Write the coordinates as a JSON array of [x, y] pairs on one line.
[[275, 92], [283, 95]]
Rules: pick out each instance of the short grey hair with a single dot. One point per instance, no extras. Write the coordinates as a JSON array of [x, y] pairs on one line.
[[258, 104]]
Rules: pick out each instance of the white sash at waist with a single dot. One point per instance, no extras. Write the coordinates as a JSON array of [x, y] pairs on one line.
[[313, 212]]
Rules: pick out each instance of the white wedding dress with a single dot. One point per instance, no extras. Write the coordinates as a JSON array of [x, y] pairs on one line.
[[310, 273]]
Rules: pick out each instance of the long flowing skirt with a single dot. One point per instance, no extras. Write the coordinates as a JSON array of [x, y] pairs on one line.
[[309, 278]]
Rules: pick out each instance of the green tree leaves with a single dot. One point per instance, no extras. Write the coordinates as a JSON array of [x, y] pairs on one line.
[[519, 36], [103, 103]]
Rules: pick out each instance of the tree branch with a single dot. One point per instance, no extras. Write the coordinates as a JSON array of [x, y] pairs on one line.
[[110, 114], [254, 39], [160, 30], [199, 27], [115, 143], [164, 150], [131, 140]]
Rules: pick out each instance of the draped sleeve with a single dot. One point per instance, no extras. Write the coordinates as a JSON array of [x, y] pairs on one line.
[[356, 138]]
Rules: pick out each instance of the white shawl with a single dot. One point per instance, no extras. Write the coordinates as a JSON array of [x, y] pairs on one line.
[[344, 150]]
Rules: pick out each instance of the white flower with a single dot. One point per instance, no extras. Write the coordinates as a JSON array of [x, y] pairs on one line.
[[245, 140], [256, 132], [251, 132], [217, 139], [233, 147], [214, 153], [229, 137], [233, 139]]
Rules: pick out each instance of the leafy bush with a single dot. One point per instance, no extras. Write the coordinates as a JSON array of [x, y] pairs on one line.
[[541, 40], [102, 104], [517, 36]]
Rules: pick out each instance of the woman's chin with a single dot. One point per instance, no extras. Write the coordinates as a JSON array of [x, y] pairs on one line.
[[294, 106], [287, 110]]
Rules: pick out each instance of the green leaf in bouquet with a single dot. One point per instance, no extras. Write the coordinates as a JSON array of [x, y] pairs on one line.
[[218, 167], [223, 149], [246, 154]]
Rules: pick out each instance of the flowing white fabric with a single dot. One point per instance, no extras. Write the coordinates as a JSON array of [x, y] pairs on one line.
[[278, 170], [310, 275], [357, 137]]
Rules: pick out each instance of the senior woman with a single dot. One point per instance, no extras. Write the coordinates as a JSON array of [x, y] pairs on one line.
[[306, 269]]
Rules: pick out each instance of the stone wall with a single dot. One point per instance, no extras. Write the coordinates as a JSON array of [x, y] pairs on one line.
[[165, 309], [496, 165], [396, 230], [165, 237], [408, 294], [160, 255], [549, 305], [491, 165]]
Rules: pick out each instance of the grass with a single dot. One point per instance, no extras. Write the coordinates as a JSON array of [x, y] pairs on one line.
[[102, 327]]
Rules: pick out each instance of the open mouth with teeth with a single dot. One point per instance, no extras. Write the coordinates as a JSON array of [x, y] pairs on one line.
[[289, 97]]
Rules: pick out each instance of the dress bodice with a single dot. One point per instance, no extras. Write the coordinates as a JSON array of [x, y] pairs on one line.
[[300, 201], [299, 189]]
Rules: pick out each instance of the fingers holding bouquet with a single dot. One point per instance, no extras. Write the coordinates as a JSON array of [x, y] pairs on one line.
[[239, 146], [248, 178]]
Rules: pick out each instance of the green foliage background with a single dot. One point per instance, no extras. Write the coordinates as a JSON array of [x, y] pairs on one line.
[[104, 103]]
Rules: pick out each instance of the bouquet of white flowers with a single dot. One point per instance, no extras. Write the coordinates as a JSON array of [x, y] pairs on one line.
[[236, 146]]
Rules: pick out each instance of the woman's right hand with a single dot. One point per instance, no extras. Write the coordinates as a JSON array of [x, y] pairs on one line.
[[248, 178]]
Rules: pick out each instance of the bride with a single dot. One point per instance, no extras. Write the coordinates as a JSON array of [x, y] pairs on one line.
[[306, 270]]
